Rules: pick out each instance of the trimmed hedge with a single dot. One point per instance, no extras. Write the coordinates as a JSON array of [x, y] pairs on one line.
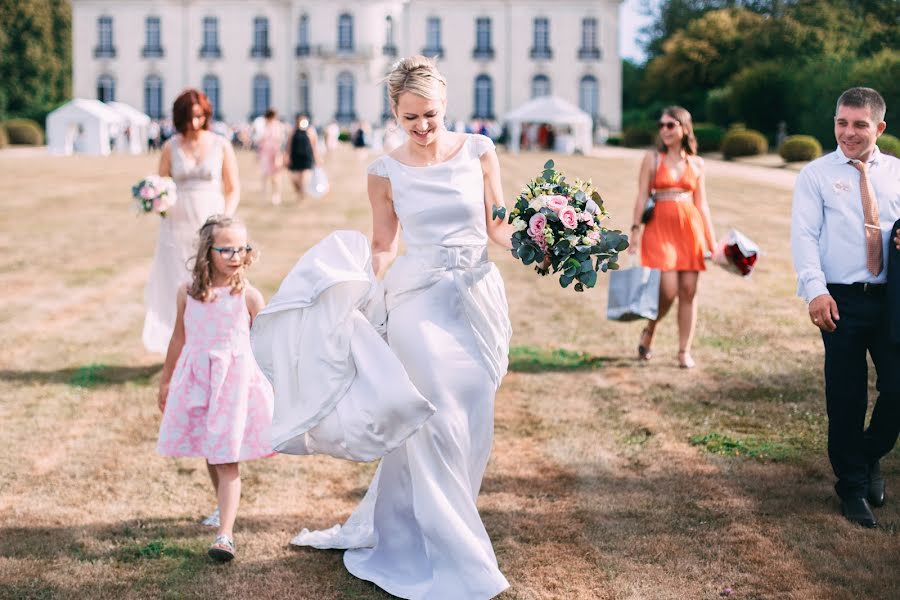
[[744, 142], [614, 140], [638, 136], [800, 147], [709, 137], [889, 144], [4, 140], [25, 132]]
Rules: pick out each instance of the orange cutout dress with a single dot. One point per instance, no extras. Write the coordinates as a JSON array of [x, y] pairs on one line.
[[673, 239]]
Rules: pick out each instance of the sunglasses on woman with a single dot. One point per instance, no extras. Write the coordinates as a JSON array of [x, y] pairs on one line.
[[228, 252], [668, 124]]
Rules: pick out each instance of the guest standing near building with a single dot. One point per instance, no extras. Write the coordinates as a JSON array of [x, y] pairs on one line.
[[302, 155], [844, 206]]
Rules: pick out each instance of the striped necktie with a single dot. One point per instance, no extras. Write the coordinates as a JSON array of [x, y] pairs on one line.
[[873, 226]]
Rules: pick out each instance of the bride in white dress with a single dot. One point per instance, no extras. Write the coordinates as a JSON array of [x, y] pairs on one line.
[[417, 533], [204, 168]]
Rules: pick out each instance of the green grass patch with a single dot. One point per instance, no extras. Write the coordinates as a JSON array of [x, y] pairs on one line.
[[530, 359], [154, 550], [751, 447], [89, 376]]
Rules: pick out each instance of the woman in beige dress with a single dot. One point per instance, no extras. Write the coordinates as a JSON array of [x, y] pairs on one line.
[[204, 168]]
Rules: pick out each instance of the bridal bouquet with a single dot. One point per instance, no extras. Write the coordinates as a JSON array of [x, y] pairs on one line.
[[154, 194], [557, 227]]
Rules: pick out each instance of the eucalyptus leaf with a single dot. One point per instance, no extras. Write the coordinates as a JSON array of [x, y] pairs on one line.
[[565, 280], [589, 278], [498, 212], [548, 165]]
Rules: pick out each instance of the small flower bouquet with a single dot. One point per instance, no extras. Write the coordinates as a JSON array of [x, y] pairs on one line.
[[560, 221], [736, 253], [154, 194]]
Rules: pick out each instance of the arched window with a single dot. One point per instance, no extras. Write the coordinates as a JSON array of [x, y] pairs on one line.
[[540, 86], [589, 95], [484, 97], [261, 95], [210, 87], [345, 32], [345, 105], [106, 88], [153, 96], [303, 94], [303, 36]]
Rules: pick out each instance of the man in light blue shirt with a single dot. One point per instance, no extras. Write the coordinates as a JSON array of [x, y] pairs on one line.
[[845, 204]]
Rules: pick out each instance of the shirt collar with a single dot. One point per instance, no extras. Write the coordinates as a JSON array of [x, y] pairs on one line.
[[841, 159]]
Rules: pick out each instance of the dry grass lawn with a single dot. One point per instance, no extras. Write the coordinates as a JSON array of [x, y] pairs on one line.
[[609, 479]]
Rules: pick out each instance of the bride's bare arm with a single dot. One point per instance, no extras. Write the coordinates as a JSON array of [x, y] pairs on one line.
[[497, 229], [385, 226]]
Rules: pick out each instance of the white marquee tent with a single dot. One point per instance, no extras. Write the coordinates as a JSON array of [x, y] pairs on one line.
[[85, 127], [136, 132], [573, 125]]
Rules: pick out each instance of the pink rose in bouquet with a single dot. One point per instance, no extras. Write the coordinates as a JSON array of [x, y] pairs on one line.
[[568, 217], [556, 203]]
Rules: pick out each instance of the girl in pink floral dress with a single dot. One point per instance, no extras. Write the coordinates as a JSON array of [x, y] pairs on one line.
[[216, 402]]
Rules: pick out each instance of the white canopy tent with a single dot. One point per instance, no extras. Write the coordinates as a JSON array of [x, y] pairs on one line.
[[136, 132], [84, 126], [573, 125]]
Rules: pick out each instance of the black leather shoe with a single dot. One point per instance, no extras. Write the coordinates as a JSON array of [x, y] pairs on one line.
[[876, 486], [857, 511]]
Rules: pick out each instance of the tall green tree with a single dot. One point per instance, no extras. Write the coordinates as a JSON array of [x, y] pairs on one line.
[[35, 56]]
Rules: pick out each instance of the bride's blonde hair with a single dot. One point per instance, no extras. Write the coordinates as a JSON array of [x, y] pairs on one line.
[[418, 75]]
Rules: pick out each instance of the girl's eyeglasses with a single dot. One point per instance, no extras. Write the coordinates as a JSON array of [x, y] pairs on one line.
[[668, 124], [228, 252]]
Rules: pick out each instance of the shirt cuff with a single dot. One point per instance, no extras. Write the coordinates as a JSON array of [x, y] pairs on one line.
[[813, 289]]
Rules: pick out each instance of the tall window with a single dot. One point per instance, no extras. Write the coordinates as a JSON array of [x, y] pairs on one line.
[[433, 38], [261, 95], [152, 45], [484, 97], [345, 105], [210, 87], [105, 48], [210, 48], [483, 47], [390, 48], [589, 48], [540, 86], [303, 36], [260, 38], [153, 96], [589, 95], [386, 113], [303, 94], [541, 47], [106, 88], [345, 32]]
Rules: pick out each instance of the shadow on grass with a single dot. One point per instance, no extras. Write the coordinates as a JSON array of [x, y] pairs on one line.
[[167, 558], [88, 376]]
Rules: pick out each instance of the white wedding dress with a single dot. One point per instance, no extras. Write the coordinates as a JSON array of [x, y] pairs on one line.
[[417, 533], [199, 196]]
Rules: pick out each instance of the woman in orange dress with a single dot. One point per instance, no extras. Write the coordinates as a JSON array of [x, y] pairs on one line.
[[680, 232]]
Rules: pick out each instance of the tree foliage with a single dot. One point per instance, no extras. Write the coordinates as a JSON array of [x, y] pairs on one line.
[[761, 62], [35, 56]]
